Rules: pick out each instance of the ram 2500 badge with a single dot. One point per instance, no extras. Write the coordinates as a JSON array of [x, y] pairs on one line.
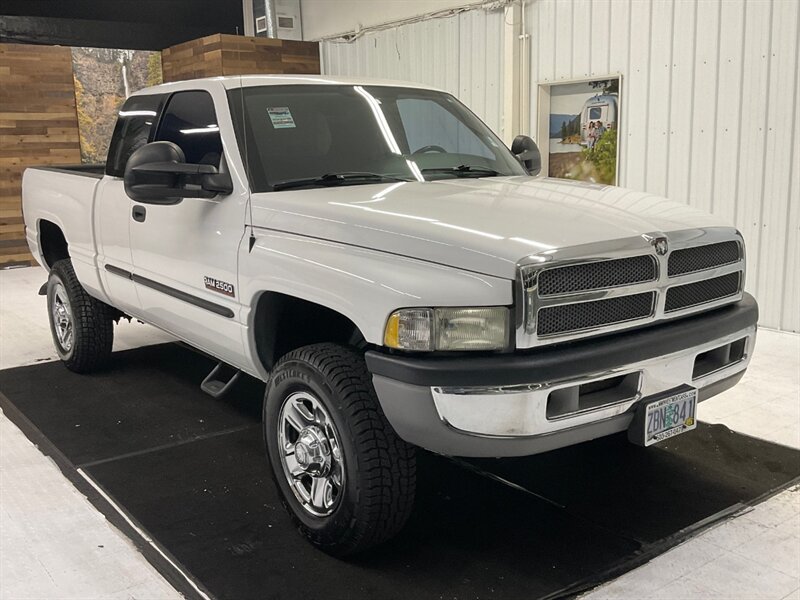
[[397, 277]]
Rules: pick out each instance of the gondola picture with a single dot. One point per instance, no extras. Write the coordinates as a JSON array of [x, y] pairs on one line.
[[583, 125]]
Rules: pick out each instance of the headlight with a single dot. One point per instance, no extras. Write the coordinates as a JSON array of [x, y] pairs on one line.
[[426, 329]]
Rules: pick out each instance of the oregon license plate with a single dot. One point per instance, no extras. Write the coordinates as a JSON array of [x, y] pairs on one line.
[[662, 418]]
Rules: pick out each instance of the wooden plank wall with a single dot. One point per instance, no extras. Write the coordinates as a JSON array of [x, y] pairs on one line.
[[222, 54], [38, 126], [38, 118]]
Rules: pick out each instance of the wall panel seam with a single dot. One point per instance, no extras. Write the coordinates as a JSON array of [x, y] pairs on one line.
[[740, 116], [793, 136], [691, 106], [766, 139], [671, 69], [716, 107]]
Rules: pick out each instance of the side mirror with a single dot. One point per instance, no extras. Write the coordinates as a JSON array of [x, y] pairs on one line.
[[157, 173], [527, 152]]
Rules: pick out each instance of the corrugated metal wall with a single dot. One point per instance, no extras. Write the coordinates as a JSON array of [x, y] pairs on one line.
[[461, 54], [710, 102]]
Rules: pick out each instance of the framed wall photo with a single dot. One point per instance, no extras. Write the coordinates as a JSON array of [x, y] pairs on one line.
[[580, 121]]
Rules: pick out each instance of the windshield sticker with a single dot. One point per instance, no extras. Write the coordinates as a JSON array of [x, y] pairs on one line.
[[281, 117]]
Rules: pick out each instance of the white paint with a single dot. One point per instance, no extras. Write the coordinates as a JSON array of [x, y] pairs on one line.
[[709, 113], [710, 100], [50, 536], [463, 54], [26, 337], [322, 18]]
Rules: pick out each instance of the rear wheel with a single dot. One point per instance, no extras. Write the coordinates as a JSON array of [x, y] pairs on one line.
[[82, 326], [344, 476]]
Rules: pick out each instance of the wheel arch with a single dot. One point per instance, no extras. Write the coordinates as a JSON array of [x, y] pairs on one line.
[[283, 323], [53, 245]]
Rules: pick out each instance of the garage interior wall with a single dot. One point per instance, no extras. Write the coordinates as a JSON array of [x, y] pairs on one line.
[[461, 54], [322, 18], [710, 102], [38, 126]]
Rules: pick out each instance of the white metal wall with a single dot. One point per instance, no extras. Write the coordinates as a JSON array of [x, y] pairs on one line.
[[461, 54], [711, 96], [710, 103]]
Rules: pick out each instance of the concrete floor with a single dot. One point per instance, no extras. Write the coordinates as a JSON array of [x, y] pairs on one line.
[[54, 544]]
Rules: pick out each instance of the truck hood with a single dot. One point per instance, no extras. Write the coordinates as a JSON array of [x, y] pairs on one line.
[[484, 225]]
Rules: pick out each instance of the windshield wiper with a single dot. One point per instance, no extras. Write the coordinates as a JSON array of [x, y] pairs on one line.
[[333, 179], [465, 171]]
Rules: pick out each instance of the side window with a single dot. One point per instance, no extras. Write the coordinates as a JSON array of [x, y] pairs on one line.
[[428, 123], [190, 122], [135, 120]]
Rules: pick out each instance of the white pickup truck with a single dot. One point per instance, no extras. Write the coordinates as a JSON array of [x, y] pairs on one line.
[[396, 275]]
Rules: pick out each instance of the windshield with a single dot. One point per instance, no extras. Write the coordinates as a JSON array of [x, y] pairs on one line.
[[304, 135]]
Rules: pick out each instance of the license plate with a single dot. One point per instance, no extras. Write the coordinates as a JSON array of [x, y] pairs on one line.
[[662, 418]]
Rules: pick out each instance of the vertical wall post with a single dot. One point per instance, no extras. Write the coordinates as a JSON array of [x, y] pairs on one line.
[[512, 30]]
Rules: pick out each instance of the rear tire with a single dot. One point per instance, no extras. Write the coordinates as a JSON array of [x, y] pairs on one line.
[[82, 326], [323, 425]]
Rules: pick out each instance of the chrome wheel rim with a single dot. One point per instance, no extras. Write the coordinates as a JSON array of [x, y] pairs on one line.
[[62, 318], [310, 453]]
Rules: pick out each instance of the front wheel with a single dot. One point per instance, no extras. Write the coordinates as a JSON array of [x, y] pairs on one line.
[[344, 476], [82, 326]]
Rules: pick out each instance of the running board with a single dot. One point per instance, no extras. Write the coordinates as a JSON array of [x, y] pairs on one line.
[[220, 381]]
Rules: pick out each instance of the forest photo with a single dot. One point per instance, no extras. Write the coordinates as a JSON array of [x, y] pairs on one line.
[[104, 78], [583, 123]]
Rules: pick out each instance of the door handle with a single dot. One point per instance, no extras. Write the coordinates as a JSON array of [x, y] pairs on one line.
[[139, 213]]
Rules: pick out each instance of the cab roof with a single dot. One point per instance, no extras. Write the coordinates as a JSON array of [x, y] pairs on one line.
[[236, 81]]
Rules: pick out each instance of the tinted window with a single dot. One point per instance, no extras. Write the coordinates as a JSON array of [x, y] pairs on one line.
[[595, 112], [190, 122], [304, 131], [135, 120]]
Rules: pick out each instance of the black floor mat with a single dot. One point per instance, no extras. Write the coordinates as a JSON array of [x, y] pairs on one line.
[[191, 471]]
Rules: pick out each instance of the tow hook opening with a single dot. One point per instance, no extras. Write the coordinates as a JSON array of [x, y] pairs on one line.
[[569, 401], [719, 358]]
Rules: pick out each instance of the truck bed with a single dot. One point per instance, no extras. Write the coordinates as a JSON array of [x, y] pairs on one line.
[[90, 170], [63, 196]]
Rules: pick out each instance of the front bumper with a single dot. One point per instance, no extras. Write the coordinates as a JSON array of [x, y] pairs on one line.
[[526, 403]]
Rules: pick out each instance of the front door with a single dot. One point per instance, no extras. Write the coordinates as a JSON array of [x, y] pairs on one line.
[[113, 206], [185, 254]]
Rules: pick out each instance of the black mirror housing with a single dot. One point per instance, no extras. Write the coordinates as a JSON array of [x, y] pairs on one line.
[[527, 152], [157, 173]]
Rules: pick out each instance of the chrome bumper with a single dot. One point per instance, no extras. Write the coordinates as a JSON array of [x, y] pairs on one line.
[[522, 410], [531, 402]]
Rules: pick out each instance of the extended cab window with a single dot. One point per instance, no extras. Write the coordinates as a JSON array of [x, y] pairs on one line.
[[135, 120], [190, 122]]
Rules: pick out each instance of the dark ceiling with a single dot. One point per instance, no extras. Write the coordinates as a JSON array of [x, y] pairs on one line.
[[133, 24]]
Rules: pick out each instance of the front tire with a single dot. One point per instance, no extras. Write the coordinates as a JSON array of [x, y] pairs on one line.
[[82, 326], [345, 477]]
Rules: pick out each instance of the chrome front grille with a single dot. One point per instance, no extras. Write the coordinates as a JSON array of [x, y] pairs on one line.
[[598, 288], [701, 258], [702, 292], [566, 318], [597, 275]]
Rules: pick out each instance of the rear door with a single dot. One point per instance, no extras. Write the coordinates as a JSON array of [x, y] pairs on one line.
[[185, 254], [135, 124]]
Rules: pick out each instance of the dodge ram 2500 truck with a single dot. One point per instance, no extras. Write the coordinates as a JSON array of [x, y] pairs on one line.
[[396, 276]]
